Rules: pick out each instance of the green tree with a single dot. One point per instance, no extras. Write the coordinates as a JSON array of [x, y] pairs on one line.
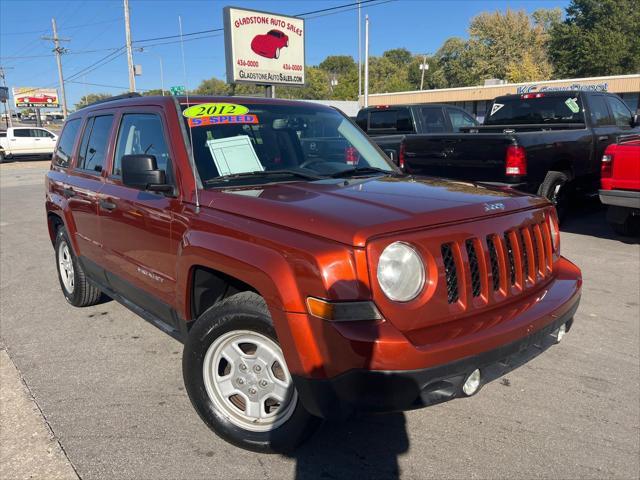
[[456, 64], [154, 91], [339, 64], [399, 56], [385, 76], [213, 86], [318, 86], [91, 98], [598, 37]]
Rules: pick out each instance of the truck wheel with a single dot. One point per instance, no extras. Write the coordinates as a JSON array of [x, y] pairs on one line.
[[75, 287], [555, 188], [2, 157], [238, 382]]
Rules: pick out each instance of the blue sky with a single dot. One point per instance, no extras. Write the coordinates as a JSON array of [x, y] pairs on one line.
[[95, 26]]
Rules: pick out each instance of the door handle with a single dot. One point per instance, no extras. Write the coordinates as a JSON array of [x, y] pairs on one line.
[[602, 138], [68, 192], [107, 205], [37, 139]]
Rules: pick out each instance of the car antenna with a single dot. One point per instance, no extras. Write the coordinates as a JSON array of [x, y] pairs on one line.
[[186, 88]]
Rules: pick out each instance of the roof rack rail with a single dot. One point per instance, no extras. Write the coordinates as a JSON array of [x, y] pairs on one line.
[[111, 99]]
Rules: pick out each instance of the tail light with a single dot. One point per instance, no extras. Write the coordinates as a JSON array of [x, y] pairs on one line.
[[516, 161], [532, 95], [351, 156], [606, 166], [401, 156]]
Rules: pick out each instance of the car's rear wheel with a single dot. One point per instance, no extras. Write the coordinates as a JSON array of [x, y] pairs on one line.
[[556, 188], [73, 281], [238, 381]]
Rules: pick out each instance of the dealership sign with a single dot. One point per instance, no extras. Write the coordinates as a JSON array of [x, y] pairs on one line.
[[35, 97], [598, 87], [263, 48]]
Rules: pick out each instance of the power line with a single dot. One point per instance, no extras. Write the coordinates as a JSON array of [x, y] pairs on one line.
[[95, 65], [97, 84]]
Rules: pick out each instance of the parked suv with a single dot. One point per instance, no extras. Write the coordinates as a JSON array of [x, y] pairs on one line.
[[302, 286]]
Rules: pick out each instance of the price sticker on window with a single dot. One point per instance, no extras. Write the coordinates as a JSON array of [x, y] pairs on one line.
[[214, 110]]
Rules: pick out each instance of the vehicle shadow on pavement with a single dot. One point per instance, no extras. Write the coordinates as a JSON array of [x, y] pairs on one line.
[[589, 218], [366, 447]]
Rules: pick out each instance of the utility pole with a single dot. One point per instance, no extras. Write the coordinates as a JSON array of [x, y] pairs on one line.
[[359, 52], [424, 66], [366, 61], [127, 29], [58, 50], [7, 106]]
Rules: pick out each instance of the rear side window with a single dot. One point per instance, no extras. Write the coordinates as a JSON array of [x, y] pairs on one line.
[[621, 114], [95, 142], [37, 132], [397, 119], [533, 110], [599, 111], [141, 133], [433, 120], [21, 132], [64, 150]]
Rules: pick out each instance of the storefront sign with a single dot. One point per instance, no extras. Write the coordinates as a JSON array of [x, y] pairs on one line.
[[263, 48], [597, 87], [35, 97]]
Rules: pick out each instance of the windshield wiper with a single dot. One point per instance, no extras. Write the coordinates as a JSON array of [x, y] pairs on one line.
[[358, 170], [265, 173]]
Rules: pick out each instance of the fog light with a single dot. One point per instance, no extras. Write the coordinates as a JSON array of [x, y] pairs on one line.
[[560, 332], [472, 383]]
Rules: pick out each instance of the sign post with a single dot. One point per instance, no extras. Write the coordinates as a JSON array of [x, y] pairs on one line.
[[264, 48]]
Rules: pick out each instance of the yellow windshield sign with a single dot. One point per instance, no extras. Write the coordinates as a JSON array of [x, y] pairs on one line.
[[214, 110]]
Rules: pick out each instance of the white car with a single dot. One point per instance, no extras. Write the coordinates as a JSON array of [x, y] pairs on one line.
[[26, 141]]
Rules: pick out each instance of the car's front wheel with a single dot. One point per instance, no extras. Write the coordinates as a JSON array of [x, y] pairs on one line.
[[238, 381], [277, 54]]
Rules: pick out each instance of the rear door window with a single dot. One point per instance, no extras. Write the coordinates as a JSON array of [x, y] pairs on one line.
[[95, 142], [433, 120], [22, 132], [64, 150]]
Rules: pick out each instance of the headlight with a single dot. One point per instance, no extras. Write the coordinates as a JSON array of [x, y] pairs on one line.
[[401, 272]]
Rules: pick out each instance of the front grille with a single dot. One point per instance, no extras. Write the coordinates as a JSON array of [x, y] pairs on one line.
[[511, 259], [495, 265], [476, 286], [516, 259], [451, 273]]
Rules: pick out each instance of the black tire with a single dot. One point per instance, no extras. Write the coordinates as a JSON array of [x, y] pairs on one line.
[[83, 294], [277, 54], [3, 157], [243, 311], [629, 228], [555, 188]]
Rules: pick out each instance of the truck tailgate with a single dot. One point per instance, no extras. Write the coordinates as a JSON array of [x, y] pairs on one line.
[[468, 156]]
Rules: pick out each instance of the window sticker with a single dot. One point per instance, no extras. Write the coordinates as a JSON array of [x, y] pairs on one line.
[[572, 103], [234, 155], [214, 110], [223, 120], [496, 107]]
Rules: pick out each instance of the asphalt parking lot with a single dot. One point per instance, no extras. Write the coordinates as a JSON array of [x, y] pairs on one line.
[[109, 384]]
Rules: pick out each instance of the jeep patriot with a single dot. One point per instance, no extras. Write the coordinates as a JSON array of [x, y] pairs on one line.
[[305, 274]]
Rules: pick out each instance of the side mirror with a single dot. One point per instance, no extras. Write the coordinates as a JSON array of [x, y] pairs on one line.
[[635, 120], [141, 172]]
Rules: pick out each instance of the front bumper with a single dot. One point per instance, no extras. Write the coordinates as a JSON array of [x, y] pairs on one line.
[[621, 198], [388, 391]]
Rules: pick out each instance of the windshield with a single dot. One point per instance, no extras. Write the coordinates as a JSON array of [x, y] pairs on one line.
[[535, 109], [243, 142]]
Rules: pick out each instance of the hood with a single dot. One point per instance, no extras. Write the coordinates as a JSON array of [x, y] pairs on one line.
[[352, 211]]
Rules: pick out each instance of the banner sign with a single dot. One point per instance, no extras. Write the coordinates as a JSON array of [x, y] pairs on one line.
[[263, 48], [598, 87], [35, 97]]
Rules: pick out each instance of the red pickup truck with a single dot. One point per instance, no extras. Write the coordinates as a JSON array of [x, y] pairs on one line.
[[303, 284], [620, 184]]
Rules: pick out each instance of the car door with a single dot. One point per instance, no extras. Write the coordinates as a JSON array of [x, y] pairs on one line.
[[44, 140], [85, 181], [604, 131], [136, 224], [21, 143]]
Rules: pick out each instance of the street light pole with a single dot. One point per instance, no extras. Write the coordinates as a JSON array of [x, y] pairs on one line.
[[142, 50], [127, 29], [359, 52], [366, 61], [423, 66], [7, 106]]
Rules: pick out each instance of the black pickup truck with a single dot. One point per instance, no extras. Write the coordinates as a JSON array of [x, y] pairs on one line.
[[550, 143]]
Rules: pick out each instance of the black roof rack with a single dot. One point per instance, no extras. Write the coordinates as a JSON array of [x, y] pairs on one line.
[[111, 99]]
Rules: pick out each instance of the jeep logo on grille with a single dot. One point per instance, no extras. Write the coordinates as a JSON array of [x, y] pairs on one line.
[[490, 207]]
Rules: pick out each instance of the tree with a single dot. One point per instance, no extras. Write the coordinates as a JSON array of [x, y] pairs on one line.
[[153, 91], [339, 64], [598, 37], [399, 56], [91, 98], [456, 63], [385, 76], [213, 86]]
